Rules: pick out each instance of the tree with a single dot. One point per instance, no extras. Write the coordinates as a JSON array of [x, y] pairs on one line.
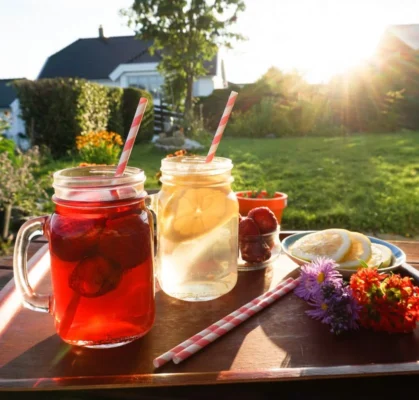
[[185, 33]]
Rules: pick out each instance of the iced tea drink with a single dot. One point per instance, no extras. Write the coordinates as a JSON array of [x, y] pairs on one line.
[[100, 242], [197, 228]]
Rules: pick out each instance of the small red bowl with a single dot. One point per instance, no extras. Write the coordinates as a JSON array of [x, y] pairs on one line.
[[276, 204]]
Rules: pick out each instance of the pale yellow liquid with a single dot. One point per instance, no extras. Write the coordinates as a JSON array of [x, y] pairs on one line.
[[197, 242]]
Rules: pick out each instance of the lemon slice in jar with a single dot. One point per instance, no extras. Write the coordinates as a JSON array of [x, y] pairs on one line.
[[360, 250], [330, 243], [191, 213]]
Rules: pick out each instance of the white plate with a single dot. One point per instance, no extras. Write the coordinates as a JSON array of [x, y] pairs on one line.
[[398, 255]]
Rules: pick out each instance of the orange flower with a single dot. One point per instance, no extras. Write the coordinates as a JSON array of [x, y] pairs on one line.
[[389, 302]]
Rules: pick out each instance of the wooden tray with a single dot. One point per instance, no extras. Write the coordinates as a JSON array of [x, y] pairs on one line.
[[280, 343]]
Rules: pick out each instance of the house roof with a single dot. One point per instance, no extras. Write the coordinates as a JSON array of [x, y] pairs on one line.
[[96, 58], [7, 92], [409, 34]]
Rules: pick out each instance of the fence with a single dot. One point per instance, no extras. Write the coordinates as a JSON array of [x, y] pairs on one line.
[[162, 114]]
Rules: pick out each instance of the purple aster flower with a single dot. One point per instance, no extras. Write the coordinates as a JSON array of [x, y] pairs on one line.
[[334, 305], [316, 274], [320, 308]]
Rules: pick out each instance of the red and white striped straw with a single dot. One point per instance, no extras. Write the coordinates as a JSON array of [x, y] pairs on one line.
[[228, 326], [221, 126], [129, 143], [168, 356]]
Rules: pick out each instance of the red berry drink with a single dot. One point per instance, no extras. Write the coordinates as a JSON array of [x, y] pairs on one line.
[[101, 268]]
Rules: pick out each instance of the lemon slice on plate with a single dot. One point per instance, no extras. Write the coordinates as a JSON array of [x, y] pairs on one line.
[[360, 250], [190, 213], [331, 243], [381, 255]]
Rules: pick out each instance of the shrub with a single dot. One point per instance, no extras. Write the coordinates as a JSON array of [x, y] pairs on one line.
[[274, 86], [115, 121], [193, 127], [302, 117], [261, 120], [55, 111], [18, 185], [4, 122], [99, 147], [213, 106], [8, 146], [131, 97]]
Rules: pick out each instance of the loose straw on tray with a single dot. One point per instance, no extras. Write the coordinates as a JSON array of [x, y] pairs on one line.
[[171, 354], [221, 126], [228, 326]]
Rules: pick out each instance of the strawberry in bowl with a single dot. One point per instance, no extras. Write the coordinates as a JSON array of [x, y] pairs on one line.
[[258, 239]]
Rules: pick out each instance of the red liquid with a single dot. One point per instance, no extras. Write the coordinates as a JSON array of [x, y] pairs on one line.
[[102, 271]]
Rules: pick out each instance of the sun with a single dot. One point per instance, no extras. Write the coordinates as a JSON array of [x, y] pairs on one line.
[[330, 43]]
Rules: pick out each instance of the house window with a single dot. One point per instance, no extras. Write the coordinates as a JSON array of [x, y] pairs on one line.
[[151, 83]]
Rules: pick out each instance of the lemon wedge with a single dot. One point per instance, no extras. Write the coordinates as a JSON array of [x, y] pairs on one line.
[[191, 213], [381, 255], [360, 250], [331, 243]]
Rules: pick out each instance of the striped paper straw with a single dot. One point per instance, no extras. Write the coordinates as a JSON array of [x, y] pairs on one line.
[[221, 126], [129, 143], [228, 326], [168, 356]]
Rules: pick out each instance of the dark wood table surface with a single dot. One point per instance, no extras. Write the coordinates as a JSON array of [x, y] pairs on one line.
[[279, 351]]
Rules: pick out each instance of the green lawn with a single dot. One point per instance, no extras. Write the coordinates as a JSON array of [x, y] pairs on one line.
[[368, 183]]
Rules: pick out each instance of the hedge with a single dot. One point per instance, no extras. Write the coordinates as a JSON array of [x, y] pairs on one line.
[[116, 121], [56, 110], [213, 106], [131, 98]]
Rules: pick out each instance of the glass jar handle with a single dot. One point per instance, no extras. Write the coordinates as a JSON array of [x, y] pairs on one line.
[[37, 302]]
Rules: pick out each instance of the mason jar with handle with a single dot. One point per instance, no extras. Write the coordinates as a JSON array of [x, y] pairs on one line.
[[197, 228], [101, 249]]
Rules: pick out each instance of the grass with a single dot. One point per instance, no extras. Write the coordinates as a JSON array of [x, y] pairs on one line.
[[366, 183]]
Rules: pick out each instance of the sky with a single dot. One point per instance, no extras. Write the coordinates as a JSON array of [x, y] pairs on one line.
[[317, 37]]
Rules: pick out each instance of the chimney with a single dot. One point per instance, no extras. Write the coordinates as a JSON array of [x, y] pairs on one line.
[[101, 32]]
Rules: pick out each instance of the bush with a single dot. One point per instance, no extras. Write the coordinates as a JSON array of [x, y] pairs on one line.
[[8, 146], [18, 185], [193, 128], [4, 122], [275, 86], [55, 111], [115, 121], [131, 97], [262, 119], [302, 117], [99, 147], [213, 106]]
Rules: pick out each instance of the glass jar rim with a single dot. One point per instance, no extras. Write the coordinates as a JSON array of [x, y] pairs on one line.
[[195, 165], [96, 177]]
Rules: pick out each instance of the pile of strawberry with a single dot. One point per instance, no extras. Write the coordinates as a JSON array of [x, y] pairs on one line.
[[257, 234]]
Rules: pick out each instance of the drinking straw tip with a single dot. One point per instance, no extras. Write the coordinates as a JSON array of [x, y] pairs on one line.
[[221, 126]]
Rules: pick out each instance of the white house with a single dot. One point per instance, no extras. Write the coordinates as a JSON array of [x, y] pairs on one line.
[[113, 61], [10, 104], [122, 61]]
